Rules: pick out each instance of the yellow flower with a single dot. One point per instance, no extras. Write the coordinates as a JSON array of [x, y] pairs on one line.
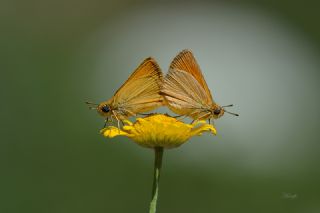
[[159, 130]]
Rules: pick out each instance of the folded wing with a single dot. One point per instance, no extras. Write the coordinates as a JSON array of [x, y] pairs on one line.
[[186, 61], [141, 92], [183, 94]]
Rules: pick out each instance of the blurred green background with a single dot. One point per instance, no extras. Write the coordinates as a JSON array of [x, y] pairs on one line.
[[262, 56]]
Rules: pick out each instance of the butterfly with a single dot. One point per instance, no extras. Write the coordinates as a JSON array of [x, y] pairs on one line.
[[140, 93], [186, 92]]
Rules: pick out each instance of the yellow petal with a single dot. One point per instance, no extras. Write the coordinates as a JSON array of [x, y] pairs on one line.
[[159, 130], [203, 128], [112, 131], [127, 122]]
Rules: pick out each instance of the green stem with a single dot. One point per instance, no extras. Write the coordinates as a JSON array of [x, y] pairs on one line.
[[158, 151]]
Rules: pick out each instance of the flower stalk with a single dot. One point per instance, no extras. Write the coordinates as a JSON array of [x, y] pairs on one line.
[[158, 132], [156, 177]]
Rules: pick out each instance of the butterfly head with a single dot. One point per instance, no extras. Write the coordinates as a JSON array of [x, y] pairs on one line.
[[217, 111], [104, 109]]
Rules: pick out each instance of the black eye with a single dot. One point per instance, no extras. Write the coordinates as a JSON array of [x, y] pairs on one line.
[[216, 111], [105, 109]]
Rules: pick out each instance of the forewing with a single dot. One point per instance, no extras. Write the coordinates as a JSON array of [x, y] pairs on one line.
[[183, 93], [186, 61], [141, 92]]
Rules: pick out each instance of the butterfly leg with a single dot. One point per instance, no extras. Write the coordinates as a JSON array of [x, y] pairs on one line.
[[129, 113], [181, 117], [111, 119], [115, 115], [202, 116], [105, 122], [211, 121]]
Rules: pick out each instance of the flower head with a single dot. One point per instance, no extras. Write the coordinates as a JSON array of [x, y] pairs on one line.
[[159, 130]]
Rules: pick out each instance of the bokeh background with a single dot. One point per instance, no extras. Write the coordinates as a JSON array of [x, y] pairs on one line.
[[262, 56]]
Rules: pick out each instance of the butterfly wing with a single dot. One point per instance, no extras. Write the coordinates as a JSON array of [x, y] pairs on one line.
[[141, 92], [186, 61], [184, 95]]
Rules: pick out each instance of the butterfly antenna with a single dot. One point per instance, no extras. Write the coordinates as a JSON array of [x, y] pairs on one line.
[[230, 105], [235, 114], [92, 105]]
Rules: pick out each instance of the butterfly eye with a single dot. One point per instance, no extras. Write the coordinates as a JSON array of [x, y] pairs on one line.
[[216, 111], [105, 109]]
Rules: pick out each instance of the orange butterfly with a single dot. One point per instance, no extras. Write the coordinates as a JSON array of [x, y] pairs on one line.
[[186, 92], [140, 93]]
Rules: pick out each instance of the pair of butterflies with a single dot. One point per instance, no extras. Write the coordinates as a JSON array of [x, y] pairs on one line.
[[184, 91]]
